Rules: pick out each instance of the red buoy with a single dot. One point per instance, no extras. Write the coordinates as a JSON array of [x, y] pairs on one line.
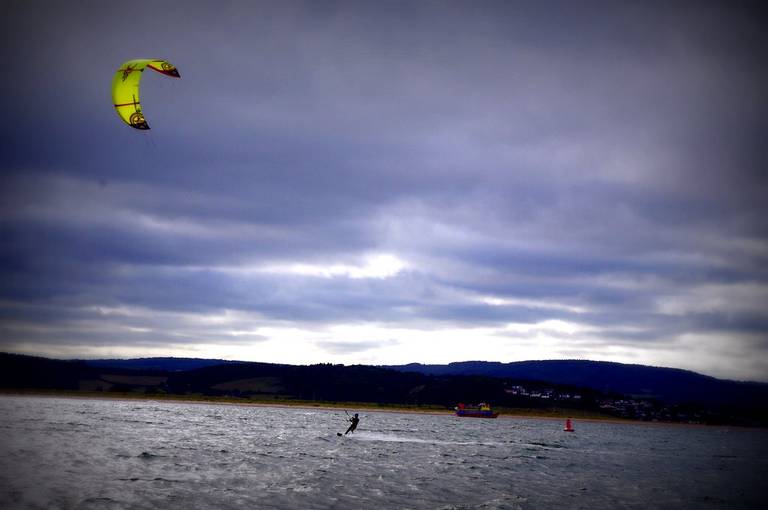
[[568, 425]]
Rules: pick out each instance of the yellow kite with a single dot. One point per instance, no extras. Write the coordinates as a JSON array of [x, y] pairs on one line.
[[125, 88]]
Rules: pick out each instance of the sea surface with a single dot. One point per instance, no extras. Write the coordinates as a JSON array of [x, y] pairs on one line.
[[93, 453]]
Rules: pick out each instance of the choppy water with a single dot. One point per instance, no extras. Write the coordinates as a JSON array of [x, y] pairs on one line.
[[76, 453]]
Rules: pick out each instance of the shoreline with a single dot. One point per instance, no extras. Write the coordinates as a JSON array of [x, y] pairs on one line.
[[340, 406]]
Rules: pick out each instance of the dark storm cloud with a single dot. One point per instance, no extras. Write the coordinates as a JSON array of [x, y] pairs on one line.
[[593, 163]]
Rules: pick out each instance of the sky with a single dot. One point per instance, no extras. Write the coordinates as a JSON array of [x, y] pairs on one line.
[[388, 182]]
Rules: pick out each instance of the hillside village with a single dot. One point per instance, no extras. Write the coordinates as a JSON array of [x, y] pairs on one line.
[[624, 407]]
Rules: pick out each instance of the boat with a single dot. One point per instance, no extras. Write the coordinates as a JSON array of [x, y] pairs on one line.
[[481, 410]]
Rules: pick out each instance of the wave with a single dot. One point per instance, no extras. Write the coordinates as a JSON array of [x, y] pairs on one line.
[[395, 438]]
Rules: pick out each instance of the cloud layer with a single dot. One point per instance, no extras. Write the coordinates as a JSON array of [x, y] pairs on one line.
[[388, 183]]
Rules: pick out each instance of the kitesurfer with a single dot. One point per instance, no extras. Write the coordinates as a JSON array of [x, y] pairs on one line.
[[355, 420]]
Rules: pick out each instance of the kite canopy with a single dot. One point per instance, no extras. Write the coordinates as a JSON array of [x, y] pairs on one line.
[[125, 88]]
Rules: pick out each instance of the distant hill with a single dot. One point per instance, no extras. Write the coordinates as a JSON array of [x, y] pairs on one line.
[[630, 391], [322, 382], [666, 384], [160, 364], [18, 371], [31, 372]]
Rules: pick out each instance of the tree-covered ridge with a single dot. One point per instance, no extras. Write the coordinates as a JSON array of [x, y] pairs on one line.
[[413, 385]]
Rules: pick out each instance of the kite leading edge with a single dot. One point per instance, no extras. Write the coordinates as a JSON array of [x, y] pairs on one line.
[[125, 88]]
